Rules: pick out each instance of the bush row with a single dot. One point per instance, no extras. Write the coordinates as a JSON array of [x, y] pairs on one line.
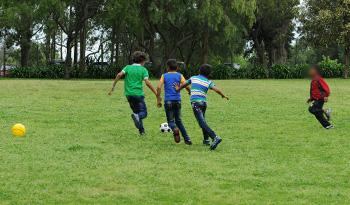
[[329, 68], [57, 72]]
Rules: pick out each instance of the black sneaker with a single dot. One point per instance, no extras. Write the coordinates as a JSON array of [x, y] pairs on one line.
[[188, 142], [136, 119], [206, 142], [215, 144]]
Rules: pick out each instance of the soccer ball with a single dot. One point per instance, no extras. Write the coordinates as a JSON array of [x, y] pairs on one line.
[[165, 128], [18, 130]]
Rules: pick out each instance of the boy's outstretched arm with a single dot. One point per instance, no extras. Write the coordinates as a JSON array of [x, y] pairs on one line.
[[178, 87], [150, 86], [117, 78], [188, 90], [218, 91]]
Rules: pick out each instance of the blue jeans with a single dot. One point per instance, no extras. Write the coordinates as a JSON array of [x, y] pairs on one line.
[[138, 106], [173, 115], [199, 109]]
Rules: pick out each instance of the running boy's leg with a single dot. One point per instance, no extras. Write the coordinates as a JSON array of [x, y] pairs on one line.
[[317, 110], [133, 106], [169, 110], [198, 112], [142, 112], [205, 134], [138, 106], [168, 106], [178, 120]]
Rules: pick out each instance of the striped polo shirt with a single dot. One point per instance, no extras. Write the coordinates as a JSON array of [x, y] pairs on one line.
[[200, 87]]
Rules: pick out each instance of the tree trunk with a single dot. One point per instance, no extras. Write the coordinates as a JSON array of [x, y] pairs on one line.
[[37, 54], [272, 56], [102, 53], [113, 39], [25, 48], [205, 45], [61, 51], [82, 40], [53, 45], [75, 63], [260, 52], [68, 63], [346, 62], [116, 56], [48, 48], [4, 68]]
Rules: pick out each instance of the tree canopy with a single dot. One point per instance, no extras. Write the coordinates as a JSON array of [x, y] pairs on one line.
[[263, 32]]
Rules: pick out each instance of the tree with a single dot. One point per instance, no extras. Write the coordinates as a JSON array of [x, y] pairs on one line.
[[71, 16], [23, 19], [227, 19], [327, 22], [273, 29]]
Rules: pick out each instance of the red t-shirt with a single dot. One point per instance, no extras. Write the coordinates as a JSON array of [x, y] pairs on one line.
[[319, 89]]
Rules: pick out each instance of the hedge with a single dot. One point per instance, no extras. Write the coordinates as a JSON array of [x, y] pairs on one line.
[[329, 68]]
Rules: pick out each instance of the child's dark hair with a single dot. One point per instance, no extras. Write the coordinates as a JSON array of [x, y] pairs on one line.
[[317, 68], [205, 70], [172, 64], [139, 57]]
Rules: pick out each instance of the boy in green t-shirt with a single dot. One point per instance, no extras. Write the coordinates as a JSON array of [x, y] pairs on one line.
[[134, 75]]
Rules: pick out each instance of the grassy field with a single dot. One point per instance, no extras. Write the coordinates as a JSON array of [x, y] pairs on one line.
[[82, 148]]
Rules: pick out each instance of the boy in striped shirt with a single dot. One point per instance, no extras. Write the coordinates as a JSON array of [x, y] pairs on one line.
[[199, 89]]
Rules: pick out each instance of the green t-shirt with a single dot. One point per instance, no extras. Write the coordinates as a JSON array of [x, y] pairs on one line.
[[134, 76]]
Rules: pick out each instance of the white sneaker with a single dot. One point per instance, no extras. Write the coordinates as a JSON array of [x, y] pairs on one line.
[[329, 114]]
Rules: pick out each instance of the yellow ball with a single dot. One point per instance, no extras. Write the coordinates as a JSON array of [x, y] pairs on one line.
[[18, 130]]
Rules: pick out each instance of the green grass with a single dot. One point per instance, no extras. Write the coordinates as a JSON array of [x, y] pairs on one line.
[[81, 147]]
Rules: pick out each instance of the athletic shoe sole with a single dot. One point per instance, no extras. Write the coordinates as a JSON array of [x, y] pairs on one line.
[[330, 127], [136, 121]]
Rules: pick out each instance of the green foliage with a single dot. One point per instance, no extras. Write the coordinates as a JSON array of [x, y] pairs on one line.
[[223, 72], [52, 72], [57, 72], [326, 23], [272, 32], [331, 68], [98, 72]]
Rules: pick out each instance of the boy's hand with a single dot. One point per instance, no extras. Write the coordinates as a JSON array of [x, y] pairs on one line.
[[159, 102], [309, 100], [177, 87], [326, 99], [225, 97], [110, 92]]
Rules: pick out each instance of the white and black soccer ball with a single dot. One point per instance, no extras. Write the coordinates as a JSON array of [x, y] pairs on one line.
[[165, 128]]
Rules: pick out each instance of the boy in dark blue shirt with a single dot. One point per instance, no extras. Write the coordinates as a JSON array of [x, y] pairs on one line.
[[172, 100]]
